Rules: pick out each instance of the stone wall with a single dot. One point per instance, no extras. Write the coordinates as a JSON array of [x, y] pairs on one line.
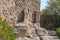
[[19, 13], [10, 9]]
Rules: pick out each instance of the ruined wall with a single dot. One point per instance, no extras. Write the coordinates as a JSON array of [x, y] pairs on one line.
[[20, 13], [8, 10], [12, 8]]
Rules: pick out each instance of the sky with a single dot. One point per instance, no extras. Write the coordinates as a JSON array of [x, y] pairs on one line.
[[43, 4]]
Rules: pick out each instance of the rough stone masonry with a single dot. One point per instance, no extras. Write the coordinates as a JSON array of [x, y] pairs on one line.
[[24, 17], [18, 11], [21, 13]]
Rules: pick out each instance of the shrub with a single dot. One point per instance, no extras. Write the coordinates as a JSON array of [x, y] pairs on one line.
[[58, 26], [58, 32], [6, 32]]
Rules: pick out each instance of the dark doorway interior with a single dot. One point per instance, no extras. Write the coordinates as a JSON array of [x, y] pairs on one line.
[[21, 16], [34, 17]]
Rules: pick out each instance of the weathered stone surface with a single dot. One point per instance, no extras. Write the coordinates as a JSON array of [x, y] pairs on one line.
[[22, 38], [50, 38], [41, 31], [51, 32], [23, 30], [32, 38], [14, 10]]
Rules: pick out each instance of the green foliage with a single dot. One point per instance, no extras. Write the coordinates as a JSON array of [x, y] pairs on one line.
[[53, 7], [6, 32], [58, 27], [58, 32]]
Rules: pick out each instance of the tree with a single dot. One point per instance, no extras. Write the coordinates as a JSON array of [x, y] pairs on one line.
[[53, 7]]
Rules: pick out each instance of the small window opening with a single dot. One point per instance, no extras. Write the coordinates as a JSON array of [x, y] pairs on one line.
[[21, 16], [34, 17]]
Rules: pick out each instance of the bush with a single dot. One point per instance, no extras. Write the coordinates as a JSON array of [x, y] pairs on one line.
[[58, 32], [58, 26], [6, 32]]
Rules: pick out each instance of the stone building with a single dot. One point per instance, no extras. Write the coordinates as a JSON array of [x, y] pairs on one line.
[[20, 13]]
